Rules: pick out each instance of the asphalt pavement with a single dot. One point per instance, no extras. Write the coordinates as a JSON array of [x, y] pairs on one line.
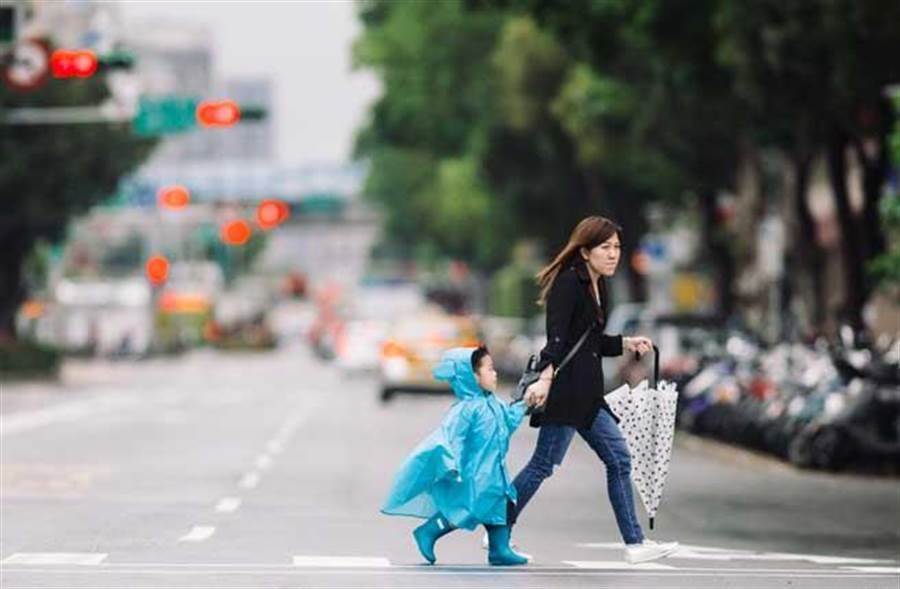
[[224, 469]]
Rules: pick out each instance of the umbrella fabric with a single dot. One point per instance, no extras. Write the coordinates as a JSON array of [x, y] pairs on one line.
[[647, 420]]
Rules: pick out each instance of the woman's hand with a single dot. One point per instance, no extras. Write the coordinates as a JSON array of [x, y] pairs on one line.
[[536, 394], [639, 344]]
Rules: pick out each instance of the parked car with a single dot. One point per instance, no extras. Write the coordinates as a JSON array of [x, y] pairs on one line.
[[414, 346], [367, 316]]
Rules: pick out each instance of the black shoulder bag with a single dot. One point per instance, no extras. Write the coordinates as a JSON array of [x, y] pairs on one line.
[[531, 374]]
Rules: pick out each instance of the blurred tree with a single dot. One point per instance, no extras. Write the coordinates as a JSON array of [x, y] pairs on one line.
[[648, 107], [885, 269], [812, 75], [50, 173], [539, 112], [436, 100]]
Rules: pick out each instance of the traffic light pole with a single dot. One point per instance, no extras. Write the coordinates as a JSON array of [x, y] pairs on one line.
[[69, 115]]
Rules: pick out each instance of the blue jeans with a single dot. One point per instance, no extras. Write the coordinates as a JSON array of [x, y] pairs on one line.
[[606, 440]]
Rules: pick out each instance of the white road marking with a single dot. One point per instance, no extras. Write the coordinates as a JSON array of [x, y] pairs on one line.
[[250, 480], [79, 558], [341, 561], [381, 567], [819, 559], [690, 551], [606, 565], [228, 504], [263, 462], [198, 534], [28, 420], [875, 570], [693, 555]]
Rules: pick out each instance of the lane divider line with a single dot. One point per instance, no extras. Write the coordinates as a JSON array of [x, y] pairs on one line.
[[263, 462], [250, 480], [228, 504], [198, 534]]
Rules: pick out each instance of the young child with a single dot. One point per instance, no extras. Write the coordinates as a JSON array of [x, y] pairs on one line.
[[457, 477]]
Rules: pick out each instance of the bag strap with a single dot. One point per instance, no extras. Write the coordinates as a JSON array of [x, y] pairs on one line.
[[574, 349]]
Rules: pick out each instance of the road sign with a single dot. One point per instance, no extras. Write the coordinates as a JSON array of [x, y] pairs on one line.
[[165, 115], [28, 67]]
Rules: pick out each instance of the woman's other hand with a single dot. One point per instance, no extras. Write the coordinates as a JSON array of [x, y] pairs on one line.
[[638, 344]]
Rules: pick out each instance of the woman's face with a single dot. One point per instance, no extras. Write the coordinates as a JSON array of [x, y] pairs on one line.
[[604, 258]]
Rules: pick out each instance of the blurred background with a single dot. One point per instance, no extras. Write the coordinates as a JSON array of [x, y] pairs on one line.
[[351, 187]]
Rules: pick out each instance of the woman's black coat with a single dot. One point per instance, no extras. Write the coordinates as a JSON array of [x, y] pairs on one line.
[[576, 393]]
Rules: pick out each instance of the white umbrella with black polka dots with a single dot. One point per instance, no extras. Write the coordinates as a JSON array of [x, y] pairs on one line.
[[647, 420]]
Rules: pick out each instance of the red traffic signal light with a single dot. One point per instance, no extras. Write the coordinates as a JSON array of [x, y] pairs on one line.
[[236, 232], [173, 197], [271, 213], [221, 113], [80, 63], [157, 269]]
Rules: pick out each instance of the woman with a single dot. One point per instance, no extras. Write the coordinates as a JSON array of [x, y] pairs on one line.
[[573, 288]]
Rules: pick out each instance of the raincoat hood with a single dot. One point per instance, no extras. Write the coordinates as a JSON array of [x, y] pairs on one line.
[[455, 367]]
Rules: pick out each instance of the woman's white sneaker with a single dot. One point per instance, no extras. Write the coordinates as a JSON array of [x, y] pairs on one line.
[[648, 550]]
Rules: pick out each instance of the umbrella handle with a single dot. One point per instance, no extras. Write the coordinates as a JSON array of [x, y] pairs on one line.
[[655, 365]]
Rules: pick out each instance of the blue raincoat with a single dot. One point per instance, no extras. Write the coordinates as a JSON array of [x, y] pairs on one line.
[[459, 470]]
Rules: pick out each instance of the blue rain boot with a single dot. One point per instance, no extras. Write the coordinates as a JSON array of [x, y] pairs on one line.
[[428, 533], [499, 552]]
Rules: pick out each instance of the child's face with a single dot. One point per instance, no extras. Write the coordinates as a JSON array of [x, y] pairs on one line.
[[486, 375]]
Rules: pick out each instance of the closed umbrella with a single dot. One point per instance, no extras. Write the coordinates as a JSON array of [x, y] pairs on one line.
[[647, 420]]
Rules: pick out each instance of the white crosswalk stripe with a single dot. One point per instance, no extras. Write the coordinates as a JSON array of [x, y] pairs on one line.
[[39, 558], [618, 565], [711, 553], [341, 561]]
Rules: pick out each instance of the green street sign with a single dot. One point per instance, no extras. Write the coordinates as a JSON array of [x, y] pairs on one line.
[[165, 115]]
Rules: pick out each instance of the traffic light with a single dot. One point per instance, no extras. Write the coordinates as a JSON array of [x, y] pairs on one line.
[[157, 269], [218, 113], [173, 197], [236, 232], [271, 213], [80, 63]]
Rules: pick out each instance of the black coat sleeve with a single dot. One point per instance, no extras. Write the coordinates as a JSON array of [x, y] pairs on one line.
[[560, 308], [610, 345]]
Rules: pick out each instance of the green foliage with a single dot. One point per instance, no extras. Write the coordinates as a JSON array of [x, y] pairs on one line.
[[885, 269], [530, 67], [509, 119], [22, 359], [433, 62]]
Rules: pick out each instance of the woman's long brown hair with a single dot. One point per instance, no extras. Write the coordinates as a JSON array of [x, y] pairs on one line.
[[589, 233]]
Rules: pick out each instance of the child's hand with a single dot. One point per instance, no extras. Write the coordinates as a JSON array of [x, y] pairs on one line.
[[536, 394]]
